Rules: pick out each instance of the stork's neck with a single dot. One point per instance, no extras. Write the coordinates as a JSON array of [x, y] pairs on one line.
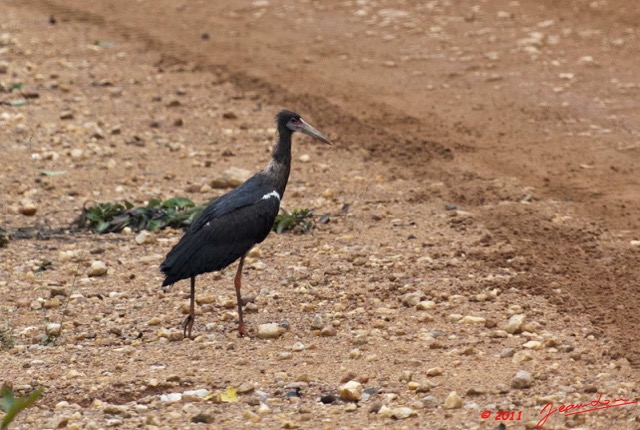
[[282, 150], [280, 166]]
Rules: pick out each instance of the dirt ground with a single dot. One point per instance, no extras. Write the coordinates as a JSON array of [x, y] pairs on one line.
[[482, 248]]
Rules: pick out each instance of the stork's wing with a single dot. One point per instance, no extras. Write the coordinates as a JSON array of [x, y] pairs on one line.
[[224, 232], [249, 193]]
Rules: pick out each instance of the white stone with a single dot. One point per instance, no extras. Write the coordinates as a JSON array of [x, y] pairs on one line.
[[270, 331], [351, 391], [98, 268], [453, 401]]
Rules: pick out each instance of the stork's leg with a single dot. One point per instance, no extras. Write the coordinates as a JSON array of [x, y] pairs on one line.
[[237, 282], [187, 325]]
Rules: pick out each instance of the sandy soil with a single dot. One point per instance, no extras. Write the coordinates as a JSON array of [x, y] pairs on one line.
[[482, 196]]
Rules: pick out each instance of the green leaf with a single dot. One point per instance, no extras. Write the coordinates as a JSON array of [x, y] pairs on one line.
[[14, 405], [178, 202], [154, 225], [153, 203], [102, 226]]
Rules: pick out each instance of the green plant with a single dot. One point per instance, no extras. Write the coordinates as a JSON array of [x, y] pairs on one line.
[[298, 220], [14, 405], [157, 214]]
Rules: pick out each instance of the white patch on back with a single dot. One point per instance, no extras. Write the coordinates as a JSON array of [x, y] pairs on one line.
[[271, 194]]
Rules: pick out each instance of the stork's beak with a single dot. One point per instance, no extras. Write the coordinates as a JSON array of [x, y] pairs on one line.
[[310, 131]]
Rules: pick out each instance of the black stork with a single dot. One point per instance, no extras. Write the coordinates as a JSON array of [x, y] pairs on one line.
[[233, 223]]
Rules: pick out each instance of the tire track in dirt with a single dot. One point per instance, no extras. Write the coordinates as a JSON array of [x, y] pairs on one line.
[[377, 133]]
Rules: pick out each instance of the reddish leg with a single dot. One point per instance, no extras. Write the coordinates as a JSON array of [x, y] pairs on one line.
[[187, 325], [237, 282]]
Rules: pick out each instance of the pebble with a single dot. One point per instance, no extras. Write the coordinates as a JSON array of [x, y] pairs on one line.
[[328, 331], [270, 331], [195, 395], [533, 344], [426, 305], [144, 237], [351, 391], [204, 418], [397, 413], [514, 325], [264, 409], [53, 329], [27, 207], [435, 371], [469, 319], [305, 158], [171, 397], [507, 352], [98, 268], [412, 299], [66, 114], [453, 401], [522, 379]]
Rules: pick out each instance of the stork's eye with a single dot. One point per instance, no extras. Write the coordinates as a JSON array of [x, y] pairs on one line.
[[295, 120]]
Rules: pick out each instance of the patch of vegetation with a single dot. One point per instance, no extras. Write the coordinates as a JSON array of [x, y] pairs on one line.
[[299, 221], [113, 217], [177, 212], [14, 405]]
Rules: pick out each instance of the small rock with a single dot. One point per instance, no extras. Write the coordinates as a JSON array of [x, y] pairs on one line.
[[522, 379], [402, 413], [53, 329], [98, 268], [328, 331], [171, 397], [412, 299], [435, 371], [351, 391], [264, 409], [453, 401], [194, 395], [426, 305], [66, 114], [154, 321], [328, 399], [305, 158], [144, 237], [270, 331], [52, 303], [204, 418], [317, 323], [514, 325], [507, 352], [533, 344], [27, 207], [469, 319]]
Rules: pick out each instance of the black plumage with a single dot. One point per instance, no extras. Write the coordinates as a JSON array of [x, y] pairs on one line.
[[232, 224]]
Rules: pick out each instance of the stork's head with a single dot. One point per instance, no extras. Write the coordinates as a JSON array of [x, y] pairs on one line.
[[287, 120]]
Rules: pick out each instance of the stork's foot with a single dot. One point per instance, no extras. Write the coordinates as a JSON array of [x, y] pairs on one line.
[[242, 330], [187, 326]]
